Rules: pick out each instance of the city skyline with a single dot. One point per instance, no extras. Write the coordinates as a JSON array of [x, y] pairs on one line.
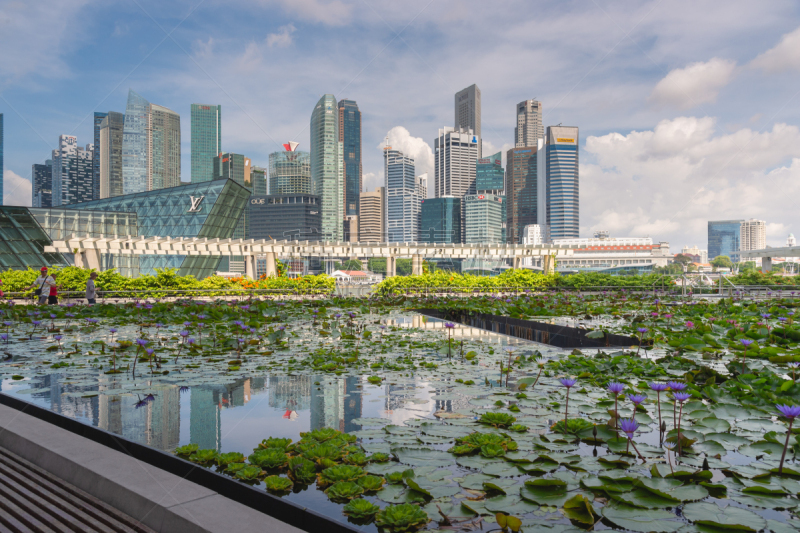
[[622, 95]]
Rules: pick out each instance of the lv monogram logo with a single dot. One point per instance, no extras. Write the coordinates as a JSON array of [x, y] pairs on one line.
[[195, 204]]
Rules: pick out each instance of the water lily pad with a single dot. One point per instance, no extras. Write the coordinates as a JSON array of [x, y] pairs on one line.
[[423, 457], [645, 521], [729, 518]]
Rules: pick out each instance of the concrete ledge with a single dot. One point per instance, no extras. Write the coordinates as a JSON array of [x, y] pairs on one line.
[[161, 500]]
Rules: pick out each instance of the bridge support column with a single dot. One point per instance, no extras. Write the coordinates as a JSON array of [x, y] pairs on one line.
[[79, 262], [88, 259], [391, 266], [517, 262], [766, 264], [272, 265], [416, 265], [250, 266], [547, 264]]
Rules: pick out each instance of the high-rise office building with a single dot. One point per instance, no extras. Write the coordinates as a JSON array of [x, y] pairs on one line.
[[455, 153], [109, 155], [73, 172], [258, 175], [135, 144], [98, 120], [441, 220], [468, 111], [1, 159], [151, 146], [489, 174], [562, 182], [350, 137], [42, 184], [529, 128], [526, 190], [724, 238], [235, 167], [326, 166], [206, 140], [165, 148], [402, 196], [372, 220], [290, 171], [753, 235], [484, 218]]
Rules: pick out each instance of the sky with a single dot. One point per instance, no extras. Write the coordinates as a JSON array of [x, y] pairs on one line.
[[688, 111]]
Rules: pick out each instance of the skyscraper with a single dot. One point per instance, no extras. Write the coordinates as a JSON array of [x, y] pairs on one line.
[[206, 139], [235, 167], [484, 219], [350, 137], [290, 171], [151, 146], [754, 235], [326, 166], [562, 182], [165, 148], [42, 184], [455, 154], [402, 197], [526, 190], [259, 179], [724, 238], [98, 120], [529, 128], [372, 220], [135, 145], [489, 175], [468, 111], [73, 173], [109, 155], [1, 159]]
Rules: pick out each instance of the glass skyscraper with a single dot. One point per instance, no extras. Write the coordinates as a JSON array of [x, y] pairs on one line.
[[489, 174], [290, 173], [484, 219], [42, 184], [165, 148], [350, 137], [724, 238], [73, 173], [327, 174], [403, 199], [206, 140], [522, 191], [135, 144], [441, 220], [98, 121], [562, 182], [110, 152]]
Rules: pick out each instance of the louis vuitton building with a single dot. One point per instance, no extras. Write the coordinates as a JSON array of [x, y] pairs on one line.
[[209, 209]]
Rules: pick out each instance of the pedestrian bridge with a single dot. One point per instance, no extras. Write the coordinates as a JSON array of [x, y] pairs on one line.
[[767, 254], [87, 250]]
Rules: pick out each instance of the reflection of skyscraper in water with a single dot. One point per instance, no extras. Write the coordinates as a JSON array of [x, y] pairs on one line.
[[397, 401], [336, 404], [207, 403], [156, 423], [73, 407], [292, 393]]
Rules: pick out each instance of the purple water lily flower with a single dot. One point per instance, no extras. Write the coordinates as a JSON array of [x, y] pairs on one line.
[[568, 382], [449, 325], [629, 427], [642, 330], [615, 388], [142, 342], [659, 387], [681, 396], [676, 385], [746, 342], [637, 399], [184, 334], [789, 411]]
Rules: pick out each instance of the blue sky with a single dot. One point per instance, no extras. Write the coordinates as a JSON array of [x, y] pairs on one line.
[[688, 111]]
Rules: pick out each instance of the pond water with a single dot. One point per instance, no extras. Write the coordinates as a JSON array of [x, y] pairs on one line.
[[416, 412]]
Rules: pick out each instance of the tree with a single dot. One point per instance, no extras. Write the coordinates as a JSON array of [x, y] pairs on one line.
[[352, 264], [722, 261], [377, 265], [683, 259]]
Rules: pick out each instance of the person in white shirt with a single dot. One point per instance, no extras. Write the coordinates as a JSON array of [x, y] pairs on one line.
[[42, 286], [91, 292]]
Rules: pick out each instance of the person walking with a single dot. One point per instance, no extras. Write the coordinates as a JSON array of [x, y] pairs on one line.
[[42, 286], [91, 292], [52, 298]]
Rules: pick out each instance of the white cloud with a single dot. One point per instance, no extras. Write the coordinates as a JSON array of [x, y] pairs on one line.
[[16, 189], [784, 56], [670, 181], [203, 48], [328, 12], [416, 147], [371, 181], [698, 83], [283, 38]]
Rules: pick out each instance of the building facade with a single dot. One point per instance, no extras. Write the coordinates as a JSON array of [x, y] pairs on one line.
[[372, 220], [135, 144], [484, 218], [614, 255], [468, 112], [326, 166], [350, 137], [73, 173], [291, 217], [529, 128], [697, 255], [206, 140], [489, 174], [724, 238], [290, 172], [258, 176], [402, 197], [207, 210], [562, 182], [441, 220], [753, 235], [164, 148], [455, 153], [526, 190], [42, 184], [108, 154], [98, 121]]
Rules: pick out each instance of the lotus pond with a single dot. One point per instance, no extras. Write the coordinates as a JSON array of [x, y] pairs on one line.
[[375, 415]]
